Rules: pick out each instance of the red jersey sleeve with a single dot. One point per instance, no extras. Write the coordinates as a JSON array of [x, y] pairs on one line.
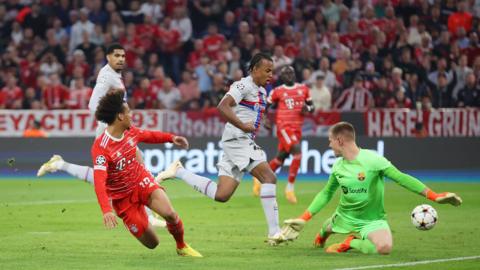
[[100, 175], [150, 136], [273, 97], [307, 93]]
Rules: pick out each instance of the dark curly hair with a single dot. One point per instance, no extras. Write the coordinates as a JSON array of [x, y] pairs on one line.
[[110, 106], [257, 58]]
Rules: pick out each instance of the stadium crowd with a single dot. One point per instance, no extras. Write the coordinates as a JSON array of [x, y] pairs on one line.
[[182, 55]]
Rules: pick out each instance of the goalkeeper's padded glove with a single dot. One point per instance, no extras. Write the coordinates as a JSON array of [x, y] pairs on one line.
[[445, 197], [292, 228]]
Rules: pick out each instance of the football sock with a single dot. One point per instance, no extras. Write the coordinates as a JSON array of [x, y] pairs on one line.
[[365, 246], [275, 164], [323, 230], [292, 174], [176, 230], [199, 183], [290, 186], [270, 207], [82, 172]]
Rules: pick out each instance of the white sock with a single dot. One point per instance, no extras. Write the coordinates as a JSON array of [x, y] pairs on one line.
[[290, 186], [270, 207], [199, 183], [82, 172]]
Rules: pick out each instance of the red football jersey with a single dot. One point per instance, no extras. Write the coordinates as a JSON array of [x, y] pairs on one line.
[[290, 101], [115, 165]]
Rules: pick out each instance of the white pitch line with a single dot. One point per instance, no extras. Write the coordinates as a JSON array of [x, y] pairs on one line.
[[193, 195], [410, 263]]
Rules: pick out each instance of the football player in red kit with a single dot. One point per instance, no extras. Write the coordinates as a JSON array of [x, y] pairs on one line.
[[292, 101], [119, 176]]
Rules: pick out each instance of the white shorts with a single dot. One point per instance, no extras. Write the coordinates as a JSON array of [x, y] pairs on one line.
[[100, 128], [240, 155]]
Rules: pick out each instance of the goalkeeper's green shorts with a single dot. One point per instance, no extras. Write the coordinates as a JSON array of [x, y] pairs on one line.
[[364, 228]]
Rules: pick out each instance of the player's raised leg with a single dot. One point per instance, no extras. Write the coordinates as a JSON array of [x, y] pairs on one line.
[[220, 192], [56, 163], [160, 203]]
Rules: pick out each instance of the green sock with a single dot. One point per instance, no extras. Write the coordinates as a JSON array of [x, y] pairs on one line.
[[324, 228], [365, 246]]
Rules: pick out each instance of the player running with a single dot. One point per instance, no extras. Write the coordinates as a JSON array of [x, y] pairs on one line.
[[120, 176], [292, 101], [359, 173], [243, 107], [109, 77]]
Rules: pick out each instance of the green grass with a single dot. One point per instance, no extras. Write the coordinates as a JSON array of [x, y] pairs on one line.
[[57, 224]]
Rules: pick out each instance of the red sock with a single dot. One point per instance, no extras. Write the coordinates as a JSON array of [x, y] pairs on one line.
[[275, 163], [176, 230], [292, 174]]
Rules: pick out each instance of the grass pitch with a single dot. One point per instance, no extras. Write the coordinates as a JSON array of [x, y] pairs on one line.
[[57, 224]]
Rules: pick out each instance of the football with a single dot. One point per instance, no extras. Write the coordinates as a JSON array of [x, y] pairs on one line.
[[424, 217]]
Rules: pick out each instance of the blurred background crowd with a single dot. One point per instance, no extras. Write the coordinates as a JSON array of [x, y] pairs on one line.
[[183, 55]]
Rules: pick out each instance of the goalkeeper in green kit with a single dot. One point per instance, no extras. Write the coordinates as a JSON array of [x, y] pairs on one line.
[[359, 173]]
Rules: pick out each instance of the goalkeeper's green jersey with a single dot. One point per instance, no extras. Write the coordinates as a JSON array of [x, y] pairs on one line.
[[361, 182]]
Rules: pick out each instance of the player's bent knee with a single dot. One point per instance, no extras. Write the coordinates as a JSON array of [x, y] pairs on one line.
[[384, 248]]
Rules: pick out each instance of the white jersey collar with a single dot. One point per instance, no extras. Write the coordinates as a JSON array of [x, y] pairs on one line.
[[113, 138]]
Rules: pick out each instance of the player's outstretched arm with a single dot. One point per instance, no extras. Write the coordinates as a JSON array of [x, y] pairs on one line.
[[293, 227], [413, 184]]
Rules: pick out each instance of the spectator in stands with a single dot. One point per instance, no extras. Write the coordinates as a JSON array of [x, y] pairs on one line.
[[440, 94], [229, 27], [170, 97], [189, 91], [399, 100], [83, 25], [469, 96], [355, 98], [415, 90], [204, 72], [280, 59], [212, 41], [381, 94], [143, 97], [321, 95], [235, 63], [32, 99], [133, 14], [217, 93], [154, 9], [36, 20], [12, 94], [182, 23], [50, 65], [55, 94], [461, 70], [79, 94], [171, 45], [97, 15], [460, 19]]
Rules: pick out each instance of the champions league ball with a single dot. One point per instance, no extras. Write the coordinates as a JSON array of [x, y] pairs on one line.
[[424, 217]]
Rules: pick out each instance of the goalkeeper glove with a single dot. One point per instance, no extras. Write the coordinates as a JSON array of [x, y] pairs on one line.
[[445, 197], [292, 227]]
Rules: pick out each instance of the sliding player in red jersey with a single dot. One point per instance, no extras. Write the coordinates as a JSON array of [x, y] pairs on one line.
[[119, 175], [292, 101]]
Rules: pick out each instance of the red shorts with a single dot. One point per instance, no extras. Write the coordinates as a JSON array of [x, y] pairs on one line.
[[288, 137], [131, 209]]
